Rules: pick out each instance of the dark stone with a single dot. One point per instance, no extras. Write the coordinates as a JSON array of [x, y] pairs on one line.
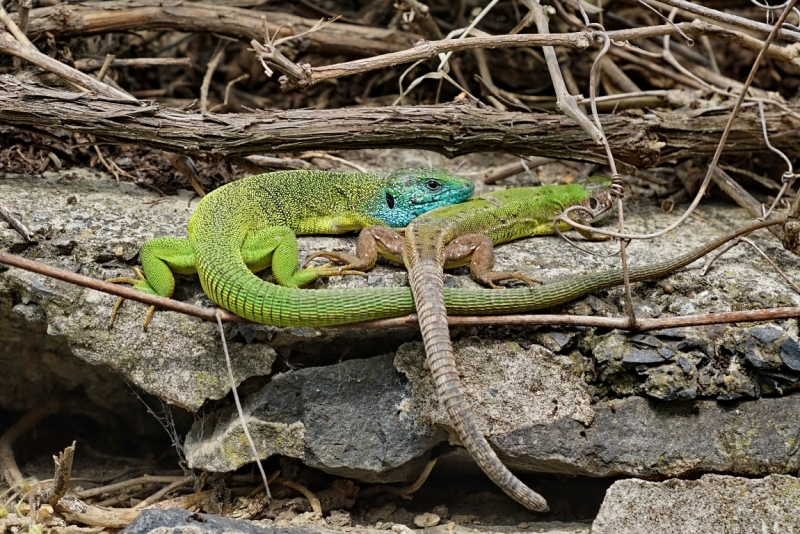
[[65, 246], [356, 419], [790, 354], [561, 339], [642, 356], [672, 333], [688, 345], [765, 334], [178, 519], [666, 353], [685, 365], [647, 340], [771, 385], [754, 357], [31, 312]]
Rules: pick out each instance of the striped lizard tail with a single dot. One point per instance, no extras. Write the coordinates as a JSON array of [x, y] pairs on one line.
[[426, 278]]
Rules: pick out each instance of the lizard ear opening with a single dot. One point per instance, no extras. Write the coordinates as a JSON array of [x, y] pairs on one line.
[[390, 200]]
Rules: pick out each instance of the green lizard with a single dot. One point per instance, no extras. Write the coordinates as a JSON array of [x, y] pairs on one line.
[[453, 236], [247, 225]]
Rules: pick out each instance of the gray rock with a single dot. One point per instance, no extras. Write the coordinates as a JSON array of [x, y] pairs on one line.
[[714, 504], [790, 354], [356, 419], [637, 437], [765, 334], [179, 521], [670, 382], [180, 358], [507, 386]]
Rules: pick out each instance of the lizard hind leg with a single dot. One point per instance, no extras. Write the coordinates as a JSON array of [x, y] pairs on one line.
[[139, 283], [373, 241], [160, 258], [477, 250], [276, 246]]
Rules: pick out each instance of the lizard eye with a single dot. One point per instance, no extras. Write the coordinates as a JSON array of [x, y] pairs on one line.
[[593, 203], [390, 200], [433, 185]]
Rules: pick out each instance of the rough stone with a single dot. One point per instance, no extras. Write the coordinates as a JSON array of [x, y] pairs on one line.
[[506, 386], [179, 521], [179, 359], [356, 419], [426, 520], [638, 437], [714, 504], [790, 354]]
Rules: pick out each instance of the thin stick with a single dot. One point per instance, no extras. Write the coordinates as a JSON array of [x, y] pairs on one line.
[[24, 12], [106, 65], [228, 91], [618, 323], [565, 102], [323, 155], [239, 407], [408, 490], [138, 62], [219, 54], [303, 78], [10, 45], [16, 224], [316, 506], [61, 478], [15, 30], [157, 495], [515, 167], [209, 314], [138, 481], [733, 19]]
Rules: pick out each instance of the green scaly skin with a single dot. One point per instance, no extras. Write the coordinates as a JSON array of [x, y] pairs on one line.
[[248, 225]]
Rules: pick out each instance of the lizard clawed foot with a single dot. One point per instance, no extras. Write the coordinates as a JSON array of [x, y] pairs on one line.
[[135, 282], [353, 265], [345, 270], [334, 257]]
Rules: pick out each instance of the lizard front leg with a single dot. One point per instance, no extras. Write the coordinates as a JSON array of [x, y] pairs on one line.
[[373, 241], [477, 250]]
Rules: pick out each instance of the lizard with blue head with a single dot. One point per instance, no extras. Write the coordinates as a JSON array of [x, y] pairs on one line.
[[248, 225]]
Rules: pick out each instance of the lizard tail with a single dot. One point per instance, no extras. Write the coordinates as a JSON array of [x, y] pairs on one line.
[[426, 279], [231, 285]]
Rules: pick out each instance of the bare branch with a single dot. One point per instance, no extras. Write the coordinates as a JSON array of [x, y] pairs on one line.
[[94, 18], [637, 140]]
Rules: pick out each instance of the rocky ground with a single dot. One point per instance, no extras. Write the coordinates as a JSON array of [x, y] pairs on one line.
[[571, 409]]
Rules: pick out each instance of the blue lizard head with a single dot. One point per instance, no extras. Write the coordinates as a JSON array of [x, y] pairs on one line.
[[411, 192]]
